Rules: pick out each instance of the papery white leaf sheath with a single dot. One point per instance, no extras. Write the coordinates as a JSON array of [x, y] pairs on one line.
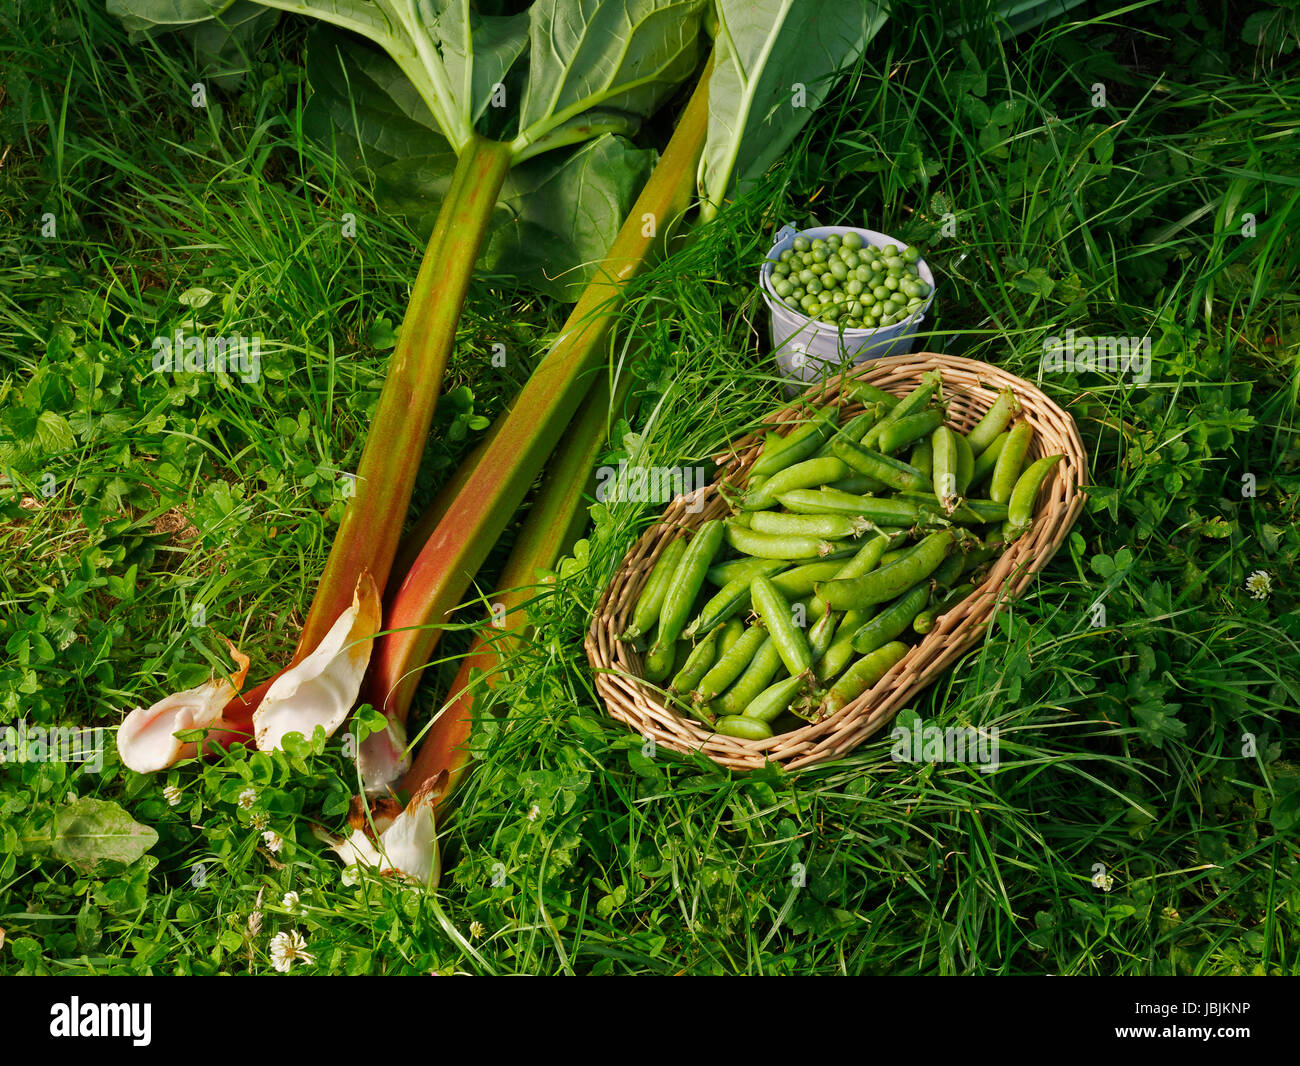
[[407, 846], [322, 688], [146, 740], [383, 759]]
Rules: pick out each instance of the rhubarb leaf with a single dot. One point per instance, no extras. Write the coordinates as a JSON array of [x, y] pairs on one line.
[[776, 62]]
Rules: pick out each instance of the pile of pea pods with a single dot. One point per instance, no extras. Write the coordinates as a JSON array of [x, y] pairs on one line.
[[837, 552]]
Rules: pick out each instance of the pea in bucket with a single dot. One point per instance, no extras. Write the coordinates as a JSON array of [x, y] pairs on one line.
[[807, 349]]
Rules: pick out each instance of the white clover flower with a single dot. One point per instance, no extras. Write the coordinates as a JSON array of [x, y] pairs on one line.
[[288, 948], [273, 841], [1259, 584], [247, 798], [259, 820], [172, 795], [290, 902], [533, 812], [476, 930]]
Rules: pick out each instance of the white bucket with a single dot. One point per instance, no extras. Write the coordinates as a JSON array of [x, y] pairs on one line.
[[808, 350]]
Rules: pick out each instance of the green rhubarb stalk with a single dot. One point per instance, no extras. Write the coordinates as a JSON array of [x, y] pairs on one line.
[[555, 520], [460, 543]]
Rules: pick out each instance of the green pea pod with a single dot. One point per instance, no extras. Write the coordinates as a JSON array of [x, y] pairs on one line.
[[862, 676], [887, 581], [995, 420], [735, 725], [987, 459], [969, 512], [854, 428], [731, 633], [803, 475], [841, 651], [799, 581], [944, 474], [767, 546], [891, 471], [1020, 510], [648, 605], [696, 666], [768, 704], [910, 404], [965, 463], [774, 610], [760, 673], [821, 634], [858, 484], [922, 458], [659, 661], [730, 665], [800, 443], [893, 620], [881, 510], [903, 431], [826, 526], [1006, 470], [864, 393], [725, 573], [688, 581], [732, 598], [866, 559], [924, 622]]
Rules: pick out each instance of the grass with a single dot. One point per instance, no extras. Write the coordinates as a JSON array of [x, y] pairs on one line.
[[1144, 816]]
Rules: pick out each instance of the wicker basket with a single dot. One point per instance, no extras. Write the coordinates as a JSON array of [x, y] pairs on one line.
[[970, 388]]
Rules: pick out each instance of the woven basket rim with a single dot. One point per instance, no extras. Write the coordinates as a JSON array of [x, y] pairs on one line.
[[969, 386]]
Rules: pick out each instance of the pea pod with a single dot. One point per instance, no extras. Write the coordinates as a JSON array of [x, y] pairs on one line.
[[841, 651], [821, 634], [995, 420], [891, 471], [1020, 510], [881, 510], [803, 475], [924, 622], [768, 546], [731, 633], [800, 443], [688, 581], [774, 609], [965, 463], [774, 699], [969, 512], [730, 665], [826, 526], [910, 404], [886, 582], [903, 431], [697, 664], [858, 484], [732, 598], [659, 661], [987, 459], [648, 605], [733, 569], [864, 393], [1006, 470], [944, 475], [735, 725], [862, 676], [866, 559], [893, 620], [799, 581], [854, 428], [922, 458], [760, 673]]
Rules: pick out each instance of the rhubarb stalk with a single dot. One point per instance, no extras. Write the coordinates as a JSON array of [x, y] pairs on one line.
[[460, 542]]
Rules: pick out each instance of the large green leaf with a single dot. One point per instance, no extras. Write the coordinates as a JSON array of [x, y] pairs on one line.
[[477, 52], [775, 64], [89, 831], [621, 54], [224, 34]]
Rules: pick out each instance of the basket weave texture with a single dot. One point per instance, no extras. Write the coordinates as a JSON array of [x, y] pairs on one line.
[[969, 387]]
